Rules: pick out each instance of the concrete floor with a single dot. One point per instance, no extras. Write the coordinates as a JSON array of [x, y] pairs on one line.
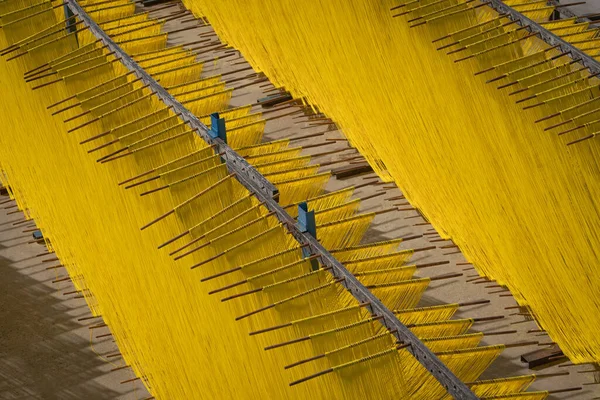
[[45, 351], [590, 7]]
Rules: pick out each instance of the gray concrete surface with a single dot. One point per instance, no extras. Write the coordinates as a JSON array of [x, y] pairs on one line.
[[588, 8], [45, 352]]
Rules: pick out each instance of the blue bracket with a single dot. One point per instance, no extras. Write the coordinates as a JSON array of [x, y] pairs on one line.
[[37, 235], [307, 224], [217, 127]]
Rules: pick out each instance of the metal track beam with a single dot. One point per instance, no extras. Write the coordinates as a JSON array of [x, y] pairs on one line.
[[545, 35]]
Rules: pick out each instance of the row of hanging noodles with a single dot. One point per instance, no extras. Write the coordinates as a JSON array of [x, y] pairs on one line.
[[173, 325], [533, 75], [539, 75], [484, 127]]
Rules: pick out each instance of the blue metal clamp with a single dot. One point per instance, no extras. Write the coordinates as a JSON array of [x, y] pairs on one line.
[[307, 224], [217, 127]]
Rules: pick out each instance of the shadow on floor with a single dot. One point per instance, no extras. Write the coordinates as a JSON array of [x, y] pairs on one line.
[[40, 356]]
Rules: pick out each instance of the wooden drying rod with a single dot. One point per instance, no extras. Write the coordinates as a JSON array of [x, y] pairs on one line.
[[329, 370]]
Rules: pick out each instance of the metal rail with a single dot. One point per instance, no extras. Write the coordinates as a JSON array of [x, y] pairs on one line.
[[234, 161], [546, 35], [267, 193]]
